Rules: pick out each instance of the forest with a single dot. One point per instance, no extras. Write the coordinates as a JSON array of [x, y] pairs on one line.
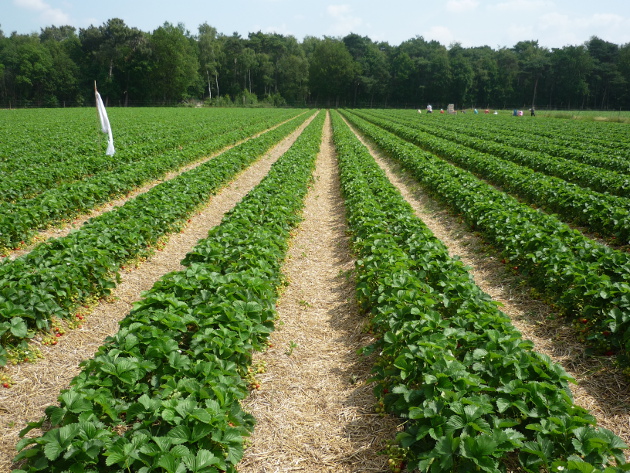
[[169, 66]]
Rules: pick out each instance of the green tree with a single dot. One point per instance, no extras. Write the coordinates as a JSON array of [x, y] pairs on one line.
[[309, 44], [403, 86], [293, 78], [267, 72], [462, 76], [168, 65], [421, 73], [231, 66], [372, 71], [507, 76], [485, 88], [410, 72], [64, 46], [174, 71], [624, 70], [27, 66], [209, 56], [534, 62], [281, 69], [248, 61], [571, 67], [331, 72], [117, 57], [440, 76], [607, 83]]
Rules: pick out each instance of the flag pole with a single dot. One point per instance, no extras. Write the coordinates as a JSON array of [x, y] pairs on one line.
[[98, 116], [96, 100]]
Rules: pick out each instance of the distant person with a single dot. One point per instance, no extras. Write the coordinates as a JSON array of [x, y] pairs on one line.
[[429, 109], [476, 111], [515, 113], [441, 110], [486, 111], [532, 111]]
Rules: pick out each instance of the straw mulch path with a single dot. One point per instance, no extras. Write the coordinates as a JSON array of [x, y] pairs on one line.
[[601, 388], [37, 385], [314, 409]]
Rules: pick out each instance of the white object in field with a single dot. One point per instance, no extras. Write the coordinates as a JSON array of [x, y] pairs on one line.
[[105, 126]]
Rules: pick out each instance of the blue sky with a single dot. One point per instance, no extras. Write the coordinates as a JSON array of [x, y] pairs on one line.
[[495, 23]]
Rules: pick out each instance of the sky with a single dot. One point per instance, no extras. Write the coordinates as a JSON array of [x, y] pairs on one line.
[[494, 23]]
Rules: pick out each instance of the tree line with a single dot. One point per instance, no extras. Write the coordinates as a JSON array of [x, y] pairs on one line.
[[170, 65]]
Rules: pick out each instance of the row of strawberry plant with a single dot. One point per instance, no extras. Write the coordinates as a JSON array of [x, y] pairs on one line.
[[471, 390], [596, 178], [602, 144], [163, 394], [62, 153], [530, 138], [601, 213], [20, 221], [608, 141], [58, 275], [37, 137], [45, 149], [582, 278]]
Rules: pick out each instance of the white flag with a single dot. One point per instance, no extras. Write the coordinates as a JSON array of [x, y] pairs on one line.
[[102, 114]]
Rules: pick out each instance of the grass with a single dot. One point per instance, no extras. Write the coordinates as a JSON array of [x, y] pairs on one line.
[[616, 116]]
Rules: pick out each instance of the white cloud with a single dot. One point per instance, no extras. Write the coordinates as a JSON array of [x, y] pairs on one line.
[[521, 5], [47, 14], [283, 30], [439, 33], [522, 33], [460, 6], [89, 22], [596, 21], [606, 20], [554, 20], [344, 21], [575, 30]]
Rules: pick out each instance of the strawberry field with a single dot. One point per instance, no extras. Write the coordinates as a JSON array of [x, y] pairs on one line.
[[549, 197]]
